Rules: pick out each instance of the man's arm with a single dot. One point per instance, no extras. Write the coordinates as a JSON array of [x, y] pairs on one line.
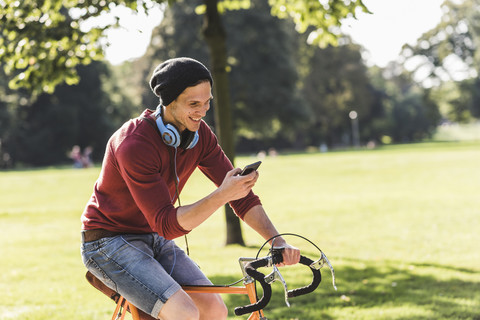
[[236, 187], [258, 220], [233, 187]]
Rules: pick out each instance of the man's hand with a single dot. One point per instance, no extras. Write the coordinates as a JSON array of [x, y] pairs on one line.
[[235, 187], [291, 255]]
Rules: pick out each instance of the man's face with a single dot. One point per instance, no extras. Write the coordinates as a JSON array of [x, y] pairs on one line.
[[187, 111]]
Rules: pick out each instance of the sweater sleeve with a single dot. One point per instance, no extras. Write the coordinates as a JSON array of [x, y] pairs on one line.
[[140, 170], [215, 166]]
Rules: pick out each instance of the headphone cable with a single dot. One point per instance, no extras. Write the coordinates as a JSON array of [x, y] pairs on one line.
[[178, 195]]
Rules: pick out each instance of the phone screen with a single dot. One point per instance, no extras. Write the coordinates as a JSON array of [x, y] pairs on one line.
[[250, 168]]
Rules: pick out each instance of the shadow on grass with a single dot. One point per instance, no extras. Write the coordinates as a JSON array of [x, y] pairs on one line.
[[389, 291]]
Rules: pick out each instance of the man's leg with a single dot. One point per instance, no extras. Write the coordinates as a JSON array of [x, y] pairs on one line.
[[147, 270], [198, 306], [185, 271], [179, 306], [210, 305], [126, 265]]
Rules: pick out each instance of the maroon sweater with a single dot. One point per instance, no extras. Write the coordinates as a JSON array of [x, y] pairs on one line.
[[135, 191]]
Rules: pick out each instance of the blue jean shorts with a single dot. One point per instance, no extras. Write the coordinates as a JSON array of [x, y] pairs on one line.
[[146, 269]]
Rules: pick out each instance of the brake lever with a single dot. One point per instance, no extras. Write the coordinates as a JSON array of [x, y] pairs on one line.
[[317, 265], [275, 275]]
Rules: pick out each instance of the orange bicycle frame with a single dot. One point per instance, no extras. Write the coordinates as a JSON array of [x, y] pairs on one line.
[[249, 289]]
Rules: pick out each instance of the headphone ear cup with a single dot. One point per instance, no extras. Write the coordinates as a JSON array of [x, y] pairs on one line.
[[169, 133], [172, 135]]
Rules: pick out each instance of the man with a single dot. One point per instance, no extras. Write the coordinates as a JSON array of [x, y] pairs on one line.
[[128, 223]]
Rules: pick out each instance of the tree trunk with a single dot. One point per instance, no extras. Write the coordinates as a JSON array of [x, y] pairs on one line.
[[216, 40]]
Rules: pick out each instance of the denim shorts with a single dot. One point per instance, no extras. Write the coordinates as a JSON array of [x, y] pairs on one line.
[[146, 269]]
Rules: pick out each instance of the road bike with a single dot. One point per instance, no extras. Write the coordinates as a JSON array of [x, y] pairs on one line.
[[251, 275]]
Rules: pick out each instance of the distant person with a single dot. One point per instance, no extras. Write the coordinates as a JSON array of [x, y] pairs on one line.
[[87, 157], [76, 156], [261, 154], [272, 152], [129, 221]]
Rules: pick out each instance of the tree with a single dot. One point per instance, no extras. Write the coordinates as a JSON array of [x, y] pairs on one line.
[[83, 114], [306, 13], [454, 41], [457, 36], [410, 111], [7, 99], [467, 104], [263, 52], [335, 83], [42, 42], [265, 104]]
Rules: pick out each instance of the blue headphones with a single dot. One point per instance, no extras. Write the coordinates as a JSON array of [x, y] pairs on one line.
[[170, 135]]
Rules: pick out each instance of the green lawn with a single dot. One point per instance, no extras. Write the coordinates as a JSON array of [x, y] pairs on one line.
[[400, 224]]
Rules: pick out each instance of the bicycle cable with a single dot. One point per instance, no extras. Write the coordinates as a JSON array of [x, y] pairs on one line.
[[234, 283], [285, 234]]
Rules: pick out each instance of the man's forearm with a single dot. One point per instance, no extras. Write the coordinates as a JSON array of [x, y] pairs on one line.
[[258, 220], [191, 216]]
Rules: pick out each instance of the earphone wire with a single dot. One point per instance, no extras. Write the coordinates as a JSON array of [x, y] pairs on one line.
[[158, 113], [178, 195]]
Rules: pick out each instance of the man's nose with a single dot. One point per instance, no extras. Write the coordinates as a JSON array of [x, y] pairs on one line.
[[205, 108]]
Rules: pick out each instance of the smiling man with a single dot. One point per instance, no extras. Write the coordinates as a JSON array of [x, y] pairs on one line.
[[129, 222]]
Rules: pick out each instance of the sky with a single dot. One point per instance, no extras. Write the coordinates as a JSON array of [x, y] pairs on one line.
[[392, 24], [133, 37], [383, 33]]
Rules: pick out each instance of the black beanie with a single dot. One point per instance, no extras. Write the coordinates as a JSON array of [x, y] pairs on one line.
[[172, 77]]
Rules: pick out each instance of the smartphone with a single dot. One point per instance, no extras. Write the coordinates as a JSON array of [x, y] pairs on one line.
[[250, 168]]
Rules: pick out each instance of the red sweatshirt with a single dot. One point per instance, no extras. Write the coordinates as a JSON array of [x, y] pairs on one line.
[[135, 191]]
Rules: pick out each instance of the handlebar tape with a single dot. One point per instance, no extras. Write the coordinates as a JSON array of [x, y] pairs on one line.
[[317, 278], [250, 269]]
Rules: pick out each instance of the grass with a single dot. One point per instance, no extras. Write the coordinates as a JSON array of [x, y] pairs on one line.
[[400, 225]]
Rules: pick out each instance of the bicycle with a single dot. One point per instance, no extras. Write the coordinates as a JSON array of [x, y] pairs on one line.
[[249, 268]]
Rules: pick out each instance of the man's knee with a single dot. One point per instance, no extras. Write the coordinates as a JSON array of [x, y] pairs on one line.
[[221, 310], [213, 308], [179, 306]]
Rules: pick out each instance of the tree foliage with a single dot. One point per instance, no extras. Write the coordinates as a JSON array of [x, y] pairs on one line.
[[264, 76], [410, 111], [178, 35], [42, 42], [335, 83], [451, 51], [457, 36], [43, 132], [321, 18]]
